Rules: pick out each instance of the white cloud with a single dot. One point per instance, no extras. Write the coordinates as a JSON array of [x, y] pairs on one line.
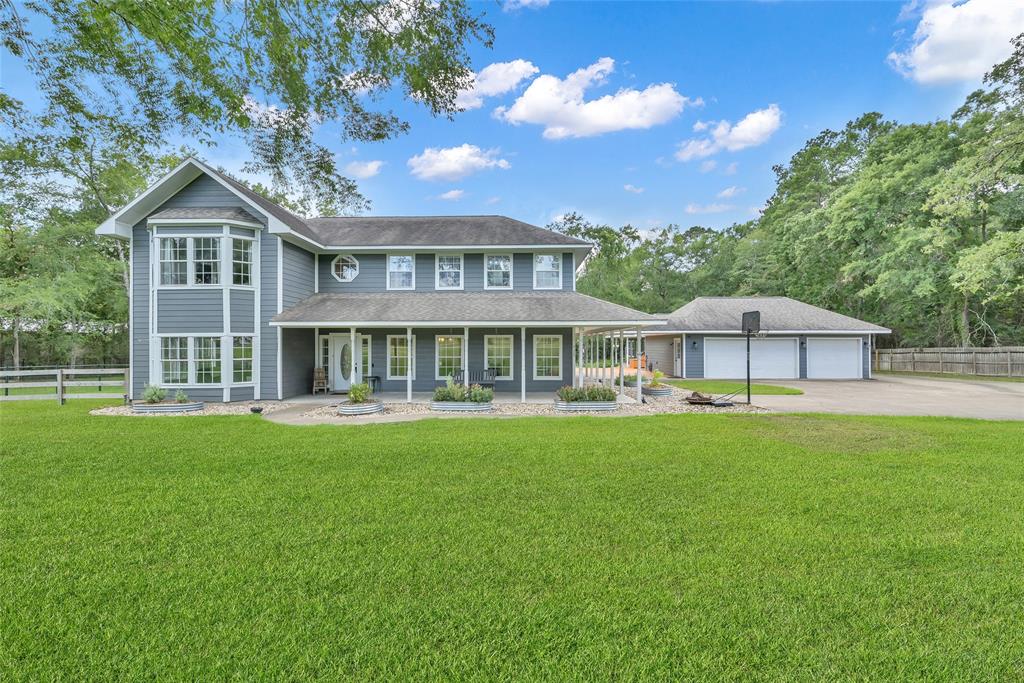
[[730, 192], [363, 169], [731, 169], [707, 208], [452, 195], [492, 200], [496, 79], [454, 163], [633, 188], [513, 5], [559, 105], [708, 166], [960, 41], [752, 130]]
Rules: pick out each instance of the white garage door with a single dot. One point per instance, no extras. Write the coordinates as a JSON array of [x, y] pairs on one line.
[[833, 358], [769, 358]]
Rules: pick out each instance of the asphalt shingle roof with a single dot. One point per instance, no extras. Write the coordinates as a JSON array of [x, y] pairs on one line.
[[778, 313], [212, 213], [391, 231], [461, 307]]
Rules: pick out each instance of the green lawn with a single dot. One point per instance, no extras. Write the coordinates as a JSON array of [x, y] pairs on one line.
[[721, 386], [674, 547]]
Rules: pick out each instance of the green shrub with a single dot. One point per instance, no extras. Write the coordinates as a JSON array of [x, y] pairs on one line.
[[630, 379], [359, 393], [657, 376], [180, 396], [153, 394], [479, 394], [592, 392], [451, 392]]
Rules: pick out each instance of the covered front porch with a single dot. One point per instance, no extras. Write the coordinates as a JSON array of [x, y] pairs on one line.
[[524, 346]]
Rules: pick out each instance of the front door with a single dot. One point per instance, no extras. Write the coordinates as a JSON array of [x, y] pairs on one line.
[[677, 357], [342, 354]]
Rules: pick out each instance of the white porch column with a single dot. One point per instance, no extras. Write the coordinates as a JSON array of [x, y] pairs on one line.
[[522, 364], [465, 356], [408, 364], [352, 369], [639, 369], [579, 360], [622, 364]]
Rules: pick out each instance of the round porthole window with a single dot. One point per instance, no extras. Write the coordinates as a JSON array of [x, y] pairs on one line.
[[345, 268]]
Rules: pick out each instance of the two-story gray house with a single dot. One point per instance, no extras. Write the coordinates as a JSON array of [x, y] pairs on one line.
[[234, 297]]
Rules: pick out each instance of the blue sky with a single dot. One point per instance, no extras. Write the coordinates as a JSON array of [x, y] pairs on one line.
[[756, 79]]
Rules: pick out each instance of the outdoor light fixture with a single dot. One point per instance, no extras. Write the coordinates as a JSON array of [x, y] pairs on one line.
[[803, 343], [694, 344]]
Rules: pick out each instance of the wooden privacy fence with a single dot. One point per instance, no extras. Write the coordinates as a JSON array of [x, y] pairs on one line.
[[61, 383], [1000, 361]]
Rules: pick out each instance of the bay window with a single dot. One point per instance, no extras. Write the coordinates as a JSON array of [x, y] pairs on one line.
[[207, 360], [206, 260], [241, 262], [241, 358], [173, 260], [174, 360]]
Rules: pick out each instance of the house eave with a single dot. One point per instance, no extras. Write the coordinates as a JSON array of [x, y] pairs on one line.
[[469, 323]]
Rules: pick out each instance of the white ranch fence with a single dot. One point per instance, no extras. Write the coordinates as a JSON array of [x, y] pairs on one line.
[[47, 384], [997, 361]]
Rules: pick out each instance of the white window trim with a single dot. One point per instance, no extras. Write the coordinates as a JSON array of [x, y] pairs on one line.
[[251, 359], [190, 265], [193, 360], [190, 360], [412, 357], [188, 363], [252, 261], [511, 271], [338, 258], [219, 261], [561, 368], [387, 273], [437, 353], [462, 272], [511, 353], [558, 260]]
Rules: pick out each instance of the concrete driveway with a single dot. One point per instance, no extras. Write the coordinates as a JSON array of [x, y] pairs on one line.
[[895, 395]]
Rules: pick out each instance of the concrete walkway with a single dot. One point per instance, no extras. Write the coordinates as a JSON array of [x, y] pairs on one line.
[[895, 395]]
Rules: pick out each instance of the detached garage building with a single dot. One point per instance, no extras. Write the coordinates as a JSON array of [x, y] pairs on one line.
[[703, 340]]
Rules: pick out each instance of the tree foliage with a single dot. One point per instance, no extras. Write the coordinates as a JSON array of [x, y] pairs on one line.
[[271, 71], [917, 227]]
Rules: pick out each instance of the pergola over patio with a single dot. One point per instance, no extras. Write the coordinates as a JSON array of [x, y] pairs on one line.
[[540, 313]]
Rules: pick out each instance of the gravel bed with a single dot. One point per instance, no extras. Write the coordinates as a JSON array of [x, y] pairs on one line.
[[239, 408], [654, 405]]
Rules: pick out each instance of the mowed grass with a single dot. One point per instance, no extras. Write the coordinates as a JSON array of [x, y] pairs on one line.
[[675, 547], [720, 386]]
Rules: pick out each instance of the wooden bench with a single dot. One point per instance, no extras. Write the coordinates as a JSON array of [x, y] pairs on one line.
[[484, 378]]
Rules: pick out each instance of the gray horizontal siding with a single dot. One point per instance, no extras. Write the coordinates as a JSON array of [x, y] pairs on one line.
[[373, 273], [191, 230], [205, 192], [242, 232], [297, 360], [659, 353], [243, 311], [297, 274], [269, 245], [140, 308], [242, 393], [186, 311], [693, 353]]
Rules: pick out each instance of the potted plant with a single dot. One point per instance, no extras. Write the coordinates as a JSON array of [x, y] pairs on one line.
[[360, 401], [459, 398], [592, 397], [656, 387], [629, 380], [154, 401]]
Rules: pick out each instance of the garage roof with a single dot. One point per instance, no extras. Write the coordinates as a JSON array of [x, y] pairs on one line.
[[778, 314]]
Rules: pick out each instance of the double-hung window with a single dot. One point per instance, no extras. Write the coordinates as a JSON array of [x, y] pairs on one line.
[[400, 360], [401, 271], [241, 359], [206, 260], [207, 360], [498, 355], [449, 271], [241, 262], [498, 271], [547, 271], [448, 354], [174, 360], [173, 260], [547, 356]]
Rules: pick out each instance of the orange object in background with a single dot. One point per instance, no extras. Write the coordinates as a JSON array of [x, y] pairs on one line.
[[632, 362]]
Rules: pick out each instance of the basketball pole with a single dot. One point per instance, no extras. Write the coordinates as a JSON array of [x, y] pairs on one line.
[[748, 366]]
